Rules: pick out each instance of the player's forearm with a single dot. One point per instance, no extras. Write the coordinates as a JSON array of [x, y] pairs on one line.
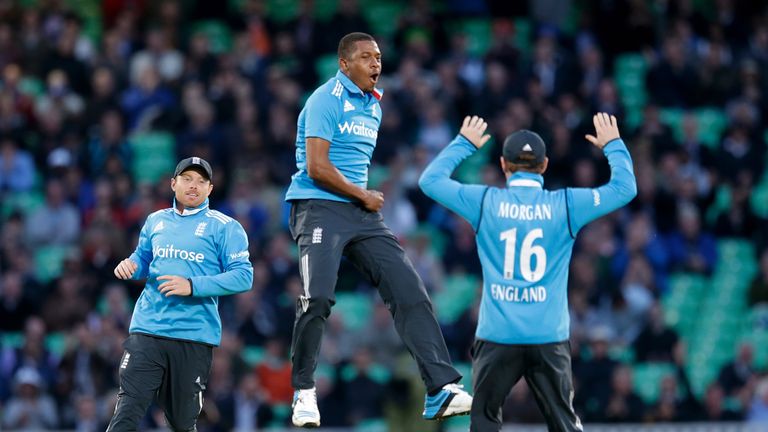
[[623, 181], [436, 181], [329, 177], [232, 281], [142, 267]]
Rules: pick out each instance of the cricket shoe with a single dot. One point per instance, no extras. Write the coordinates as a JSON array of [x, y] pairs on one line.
[[305, 412], [450, 401]]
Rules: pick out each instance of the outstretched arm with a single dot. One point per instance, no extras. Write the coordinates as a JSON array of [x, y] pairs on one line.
[[436, 182], [588, 204]]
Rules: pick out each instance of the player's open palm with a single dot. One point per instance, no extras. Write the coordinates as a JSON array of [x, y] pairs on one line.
[[473, 129], [606, 128], [125, 269]]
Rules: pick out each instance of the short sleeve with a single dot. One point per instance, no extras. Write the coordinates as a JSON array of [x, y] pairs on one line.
[[322, 112]]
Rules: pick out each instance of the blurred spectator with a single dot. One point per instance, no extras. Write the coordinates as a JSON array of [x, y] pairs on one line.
[[17, 168], [56, 223], [88, 417], [758, 410], [158, 54], [657, 132], [245, 409], [735, 375], [550, 66], [521, 407], [690, 248], [256, 319], [641, 239], [15, 306], [623, 405], [656, 342], [146, 100], [67, 305], [424, 258], [364, 395], [593, 377], [346, 19], [274, 373], [31, 354], [714, 408], [84, 370], [60, 96], [638, 289], [672, 81], [108, 146], [30, 408], [739, 220], [379, 337], [738, 153], [716, 76], [103, 98], [673, 404], [63, 58], [758, 290], [461, 251]]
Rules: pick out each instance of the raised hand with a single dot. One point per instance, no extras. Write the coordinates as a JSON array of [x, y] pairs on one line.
[[606, 128], [473, 129]]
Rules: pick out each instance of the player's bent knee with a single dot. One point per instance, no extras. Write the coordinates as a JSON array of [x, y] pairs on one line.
[[318, 307]]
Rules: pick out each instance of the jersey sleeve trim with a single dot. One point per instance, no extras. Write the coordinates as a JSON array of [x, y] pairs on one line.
[[482, 208], [568, 215]]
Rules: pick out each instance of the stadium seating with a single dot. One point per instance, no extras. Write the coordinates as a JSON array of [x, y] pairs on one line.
[[354, 308], [219, 35], [154, 156], [49, 261], [709, 313], [457, 295]]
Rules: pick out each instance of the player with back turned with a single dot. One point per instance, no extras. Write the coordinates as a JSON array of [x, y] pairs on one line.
[[334, 214], [525, 236]]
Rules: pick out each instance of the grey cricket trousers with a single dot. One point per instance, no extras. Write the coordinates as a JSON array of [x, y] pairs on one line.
[[327, 230], [496, 368]]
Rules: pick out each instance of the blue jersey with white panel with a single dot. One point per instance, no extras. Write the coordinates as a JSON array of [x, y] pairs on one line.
[[342, 114], [203, 245], [525, 236]]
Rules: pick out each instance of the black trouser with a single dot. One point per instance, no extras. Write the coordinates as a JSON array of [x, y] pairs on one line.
[[326, 230], [174, 371], [547, 370]]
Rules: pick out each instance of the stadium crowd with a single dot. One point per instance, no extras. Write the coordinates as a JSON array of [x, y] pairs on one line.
[[98, 100]]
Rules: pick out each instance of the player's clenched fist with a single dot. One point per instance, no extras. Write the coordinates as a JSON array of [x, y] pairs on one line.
[[373, 201], [125, 269], [606, 128]]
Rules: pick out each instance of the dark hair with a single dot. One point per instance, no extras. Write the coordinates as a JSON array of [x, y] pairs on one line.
[[347, 43], [529, 164]]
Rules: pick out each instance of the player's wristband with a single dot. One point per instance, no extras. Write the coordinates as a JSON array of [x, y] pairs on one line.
[[191, 289]]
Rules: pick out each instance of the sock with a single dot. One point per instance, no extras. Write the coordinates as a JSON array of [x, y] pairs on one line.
[[434, 393]]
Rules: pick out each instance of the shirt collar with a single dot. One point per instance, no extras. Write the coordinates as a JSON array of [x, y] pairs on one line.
[[353, 88], [190, 211], [526, 179]]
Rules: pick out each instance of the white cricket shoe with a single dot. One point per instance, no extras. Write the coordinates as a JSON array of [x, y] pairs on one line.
[[451, 401], [305, 412]]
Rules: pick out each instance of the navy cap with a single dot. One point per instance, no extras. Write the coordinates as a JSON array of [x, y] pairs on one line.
[[194, 161], [524, 142]]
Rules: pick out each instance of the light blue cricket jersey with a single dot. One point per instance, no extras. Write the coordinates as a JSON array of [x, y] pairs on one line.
[[203, 245], [525, 237], [342, 114]]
